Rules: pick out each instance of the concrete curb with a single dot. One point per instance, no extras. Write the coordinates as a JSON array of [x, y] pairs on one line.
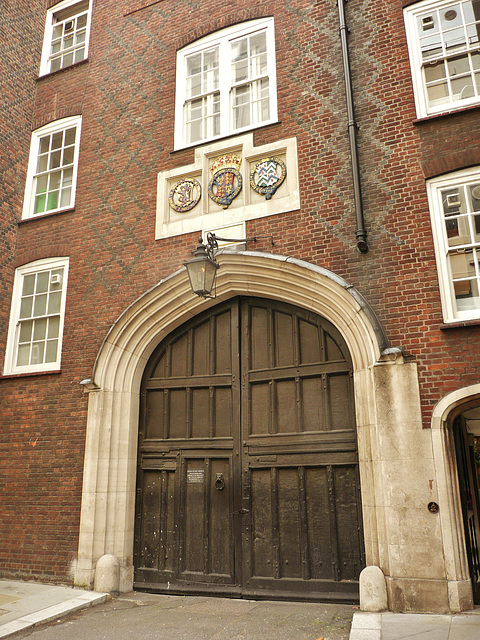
[[54, 612], [366, 626]]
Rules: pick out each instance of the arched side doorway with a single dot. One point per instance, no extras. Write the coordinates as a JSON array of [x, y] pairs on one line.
[[455, 424], [248, 474]]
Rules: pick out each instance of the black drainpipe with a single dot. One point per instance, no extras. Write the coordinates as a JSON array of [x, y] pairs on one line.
[[360, 233]]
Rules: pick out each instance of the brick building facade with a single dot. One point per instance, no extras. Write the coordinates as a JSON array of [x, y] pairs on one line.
[[143, 106]]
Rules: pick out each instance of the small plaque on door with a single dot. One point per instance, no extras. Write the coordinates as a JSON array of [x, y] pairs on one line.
[[195, 476]]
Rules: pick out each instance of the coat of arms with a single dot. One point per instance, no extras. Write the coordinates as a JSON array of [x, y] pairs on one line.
[[185, 195], [226, 182], [267, 175]]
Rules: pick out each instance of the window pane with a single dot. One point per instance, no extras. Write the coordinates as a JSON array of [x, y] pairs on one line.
[[41, 285], [68, 59], [40, 329], [462, 88], [37, 353], [458, 65], [66, 196], [82, 21], [23, 356], [44, 144], [28, 285], [56, 64], [54, 302], [79, 55], [57, 139], [40, 305], [52, 200], [39, 205], [70, 136], [55, 177], [53, 327], [51, 351], [466, 295], [437, 94], [26, 306], [55, 159], [42, 163], [68, 155], [56, 274], [26, 331], [41, 184]]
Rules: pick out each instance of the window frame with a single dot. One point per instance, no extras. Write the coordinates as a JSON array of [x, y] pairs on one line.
[[45, 264], [48, 34], [411, 14], [435, 186], [53, 127], [222, 39]]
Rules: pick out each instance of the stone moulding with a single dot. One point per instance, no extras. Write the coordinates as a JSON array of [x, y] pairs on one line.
[[395, 453]]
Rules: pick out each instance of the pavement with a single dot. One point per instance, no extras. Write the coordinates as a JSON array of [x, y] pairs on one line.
[[25, 605]]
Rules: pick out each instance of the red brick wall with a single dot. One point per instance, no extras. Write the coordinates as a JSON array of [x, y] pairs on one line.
[[126, 95]]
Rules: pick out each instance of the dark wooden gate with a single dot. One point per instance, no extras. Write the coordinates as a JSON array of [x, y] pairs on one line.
[[248, 475]]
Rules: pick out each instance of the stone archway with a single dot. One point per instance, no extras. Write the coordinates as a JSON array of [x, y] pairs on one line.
[[393, 448]]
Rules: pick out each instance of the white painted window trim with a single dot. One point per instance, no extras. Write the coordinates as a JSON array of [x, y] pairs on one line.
[[14, 325], [48, 34], [222, 39], [52, 127], [440, 240], [421, 100]]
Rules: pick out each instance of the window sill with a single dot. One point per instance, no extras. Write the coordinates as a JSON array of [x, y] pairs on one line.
[[444, 114], [458, 324], [235, 134], [55, 73], [29, 374], [46, 215]]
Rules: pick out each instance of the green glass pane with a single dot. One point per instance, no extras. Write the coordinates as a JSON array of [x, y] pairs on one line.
[[39, 206], [54, 302], [52, 200], [40, 305], [26, 331], [28, 285], [53, 327], [23, 355], [42, 282], [40, 329], [51, 351], [26, 307], [41, 184]]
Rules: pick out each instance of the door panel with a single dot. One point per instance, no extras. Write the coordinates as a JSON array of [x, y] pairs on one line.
[[248, 477]]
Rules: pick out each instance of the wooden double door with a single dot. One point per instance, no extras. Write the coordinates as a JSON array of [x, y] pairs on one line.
[[247, 470]]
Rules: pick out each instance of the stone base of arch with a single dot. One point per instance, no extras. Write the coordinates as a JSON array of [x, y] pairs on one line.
[[396, 456]]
